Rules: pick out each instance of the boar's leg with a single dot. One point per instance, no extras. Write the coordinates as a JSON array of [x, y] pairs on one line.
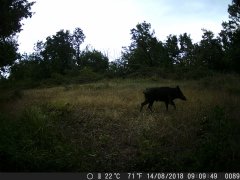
[[166, 103], [172, 103], [143, 104], [150, 105]]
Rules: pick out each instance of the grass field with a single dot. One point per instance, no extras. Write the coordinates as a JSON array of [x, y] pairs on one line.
[[98, 127]]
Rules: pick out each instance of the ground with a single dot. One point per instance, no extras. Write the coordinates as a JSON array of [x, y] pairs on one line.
[[98, 127]]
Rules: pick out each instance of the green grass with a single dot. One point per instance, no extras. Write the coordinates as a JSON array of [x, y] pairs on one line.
[[98, 127]]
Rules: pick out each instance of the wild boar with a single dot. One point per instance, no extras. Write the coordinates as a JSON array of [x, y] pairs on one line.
[[165, 94]]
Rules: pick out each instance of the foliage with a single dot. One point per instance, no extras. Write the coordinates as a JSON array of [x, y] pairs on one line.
[[186, 50], [117, 68], [77, 39], [8, 51], [11, 14], [173, 49], [95, 60], [60, 56], [209, 52], [58, 52], [230, 36], [13, 11], [145, 50]]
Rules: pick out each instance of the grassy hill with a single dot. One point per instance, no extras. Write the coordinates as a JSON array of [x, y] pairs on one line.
[[98, 127]]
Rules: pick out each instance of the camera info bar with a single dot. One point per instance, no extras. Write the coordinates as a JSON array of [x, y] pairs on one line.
[[123, 176]]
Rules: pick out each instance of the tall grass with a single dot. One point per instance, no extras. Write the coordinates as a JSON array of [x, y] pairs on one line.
[[98, 127]]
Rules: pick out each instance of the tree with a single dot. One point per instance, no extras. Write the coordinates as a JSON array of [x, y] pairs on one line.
[[230, 36], [78, 39], [143, 42], [94, 60], [8, 51], [58, 52], [118, 67], [186, 50], [172, 48], [237, 2], [27, 69], [210, 51], [11, 14], [57, 55], [232, 26], [145, 50]]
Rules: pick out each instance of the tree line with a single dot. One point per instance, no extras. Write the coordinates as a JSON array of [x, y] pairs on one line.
[[219, 53], [59, 56]]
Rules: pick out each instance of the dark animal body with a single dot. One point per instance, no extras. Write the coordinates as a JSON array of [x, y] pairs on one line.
[[165, 94]]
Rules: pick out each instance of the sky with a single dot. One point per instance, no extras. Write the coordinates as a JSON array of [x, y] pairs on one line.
[[107, 23]]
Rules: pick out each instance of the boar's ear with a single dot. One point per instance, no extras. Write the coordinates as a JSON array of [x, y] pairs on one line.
[[177, 87]]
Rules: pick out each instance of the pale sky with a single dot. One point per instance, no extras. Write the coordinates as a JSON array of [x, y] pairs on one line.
[[107, 23]]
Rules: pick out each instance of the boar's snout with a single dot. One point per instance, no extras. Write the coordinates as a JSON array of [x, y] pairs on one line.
[[180, 94]]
